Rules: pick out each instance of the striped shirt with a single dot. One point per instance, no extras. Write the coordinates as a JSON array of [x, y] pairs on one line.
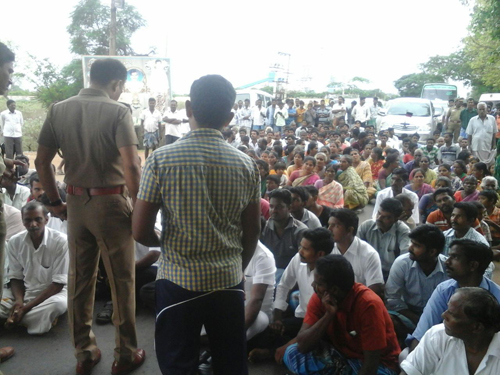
[[203, 185]]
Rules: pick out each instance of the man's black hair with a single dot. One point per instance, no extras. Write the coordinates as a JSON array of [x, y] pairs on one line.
[[312, 190], [33, 205], [320, 238], [6, 55], [263, 164], [103, 71], [401, 172], [430, 236], [481, 306], [301, 192], [335, 270], [469, 210], [347, 217], [273, 177], [283, 195], [393, 206], [475, 252], [490, 195], [448, 191], [9, 102], [212, 98]]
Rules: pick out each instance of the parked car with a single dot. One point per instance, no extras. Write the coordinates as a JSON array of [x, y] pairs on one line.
[[410, 115]]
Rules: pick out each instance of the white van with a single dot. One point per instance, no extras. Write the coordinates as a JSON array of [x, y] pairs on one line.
[[491, 97], [253, 95]]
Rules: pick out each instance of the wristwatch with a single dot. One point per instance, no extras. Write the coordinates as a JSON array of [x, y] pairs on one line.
[[55, 203]]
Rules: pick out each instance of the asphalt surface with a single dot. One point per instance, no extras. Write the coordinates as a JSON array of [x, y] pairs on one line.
[[52, 353]]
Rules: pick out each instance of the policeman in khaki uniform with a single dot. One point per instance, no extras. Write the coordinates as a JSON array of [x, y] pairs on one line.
[[96, 136]]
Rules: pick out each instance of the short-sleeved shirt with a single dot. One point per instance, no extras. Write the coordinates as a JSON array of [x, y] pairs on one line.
[[390, 244], [365, 262], [90, 128], [261, 270], [361, 323], [151, 120], [284, 248], [465, 117], [203, 185], [448, 154], [408, 287]]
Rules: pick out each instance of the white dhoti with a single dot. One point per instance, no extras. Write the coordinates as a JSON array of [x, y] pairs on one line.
[[487, 157], [39, 320]]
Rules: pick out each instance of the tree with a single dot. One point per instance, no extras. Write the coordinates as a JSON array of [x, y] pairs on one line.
[[455, 66], [89, 28], [411, 84]]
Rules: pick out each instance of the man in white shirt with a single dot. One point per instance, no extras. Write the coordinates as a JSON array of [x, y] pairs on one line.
[[338, 110], [245, 115], [38, 272], [12, 122], [315, 244], [14, 194], [399, 180], [258, 115], [481, 133], [150, 120], [174, 120], [364, 259], [361, 112], [466, 343]]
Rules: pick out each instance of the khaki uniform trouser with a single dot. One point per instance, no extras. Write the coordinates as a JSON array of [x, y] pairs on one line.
[[455, 129], [101, 225]]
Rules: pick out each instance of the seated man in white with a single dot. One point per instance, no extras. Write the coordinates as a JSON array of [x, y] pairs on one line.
[[315, 244], [364, 259], [38, 273], [466, 343]]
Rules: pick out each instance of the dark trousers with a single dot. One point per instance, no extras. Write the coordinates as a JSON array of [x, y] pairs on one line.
[[13, 145], [180, 315], [170, 139]]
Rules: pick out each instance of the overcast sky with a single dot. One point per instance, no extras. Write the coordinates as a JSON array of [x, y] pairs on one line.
[[378, 40]]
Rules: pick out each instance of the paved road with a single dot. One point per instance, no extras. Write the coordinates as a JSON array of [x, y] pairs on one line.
[[52, 353]]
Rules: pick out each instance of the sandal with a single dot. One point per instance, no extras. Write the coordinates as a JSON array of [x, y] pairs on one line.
[[106, 314]]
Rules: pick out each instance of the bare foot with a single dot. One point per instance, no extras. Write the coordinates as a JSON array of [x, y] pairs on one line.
[[259, 354]]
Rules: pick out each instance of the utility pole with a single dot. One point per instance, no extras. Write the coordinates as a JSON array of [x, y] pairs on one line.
[[112, 30]]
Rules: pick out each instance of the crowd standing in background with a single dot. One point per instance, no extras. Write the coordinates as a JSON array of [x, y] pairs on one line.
[[245, 231]]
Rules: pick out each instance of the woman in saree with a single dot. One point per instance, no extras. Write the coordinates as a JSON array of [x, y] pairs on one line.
[[364, 171], [306, 175], [312, 149], [385, 174], [298, 161], [470, 192], [417, 185], [355, 195], [331, 193], [444, 170], [423, 165]]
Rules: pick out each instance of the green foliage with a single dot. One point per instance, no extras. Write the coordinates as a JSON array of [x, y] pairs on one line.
[[89, 28], [455, 66], [53, 84], [410, 85]]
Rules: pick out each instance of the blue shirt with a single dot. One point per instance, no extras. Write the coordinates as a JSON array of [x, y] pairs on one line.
[[438, 303], [408, 287]]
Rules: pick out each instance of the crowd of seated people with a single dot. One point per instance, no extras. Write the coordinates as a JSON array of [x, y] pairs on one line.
[[324, 291]]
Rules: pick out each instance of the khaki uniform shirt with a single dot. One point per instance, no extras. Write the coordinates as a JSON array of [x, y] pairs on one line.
[[89, 129]]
